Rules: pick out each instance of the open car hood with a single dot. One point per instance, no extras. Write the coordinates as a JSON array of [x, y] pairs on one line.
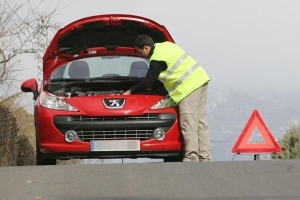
[[104, 35]]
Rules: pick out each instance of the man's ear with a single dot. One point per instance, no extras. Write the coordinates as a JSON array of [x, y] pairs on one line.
[[148, 48]]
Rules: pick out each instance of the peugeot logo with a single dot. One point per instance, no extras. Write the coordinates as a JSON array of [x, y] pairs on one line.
[[113, 103]]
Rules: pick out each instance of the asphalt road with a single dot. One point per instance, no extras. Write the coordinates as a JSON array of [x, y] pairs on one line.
[[246, 180]]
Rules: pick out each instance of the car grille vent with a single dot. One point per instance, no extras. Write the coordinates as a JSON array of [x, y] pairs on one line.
[[88, 135], [84, 118], [115, 134]]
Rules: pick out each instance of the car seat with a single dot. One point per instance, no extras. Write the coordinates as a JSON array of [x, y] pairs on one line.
[[79, 69], [138, 68]]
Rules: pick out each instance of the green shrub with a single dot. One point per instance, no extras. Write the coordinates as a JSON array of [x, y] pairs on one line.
[[290, 144]]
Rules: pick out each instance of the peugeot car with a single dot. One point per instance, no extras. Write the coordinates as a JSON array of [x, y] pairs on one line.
[[79, 108]]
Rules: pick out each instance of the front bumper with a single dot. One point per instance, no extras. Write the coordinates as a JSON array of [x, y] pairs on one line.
[[52, 140], [115, 128]]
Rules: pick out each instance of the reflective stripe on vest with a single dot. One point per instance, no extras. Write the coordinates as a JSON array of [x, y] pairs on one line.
[[174, 67], [183, 77]]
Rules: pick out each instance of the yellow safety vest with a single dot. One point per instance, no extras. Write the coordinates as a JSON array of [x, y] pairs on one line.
[[183, 75]]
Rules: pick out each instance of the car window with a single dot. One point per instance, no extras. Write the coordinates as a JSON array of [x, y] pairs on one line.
[[102, 67]]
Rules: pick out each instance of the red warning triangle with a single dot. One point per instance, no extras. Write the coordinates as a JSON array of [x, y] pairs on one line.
[[242, 145]]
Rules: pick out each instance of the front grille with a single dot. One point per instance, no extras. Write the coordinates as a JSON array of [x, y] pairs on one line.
[[122, 118], [113, 134], [115, 127], [87, 135]]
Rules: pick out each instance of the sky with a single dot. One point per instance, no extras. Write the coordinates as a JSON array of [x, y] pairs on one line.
[[241, 44], [251, 46]]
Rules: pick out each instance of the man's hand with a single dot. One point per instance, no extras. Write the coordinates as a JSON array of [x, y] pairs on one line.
[[128, 92]]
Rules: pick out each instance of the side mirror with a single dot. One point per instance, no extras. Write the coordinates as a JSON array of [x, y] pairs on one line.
[[30, 85]]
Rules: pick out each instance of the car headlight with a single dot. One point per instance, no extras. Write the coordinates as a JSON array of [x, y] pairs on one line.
[[55, 103], [166, 102]]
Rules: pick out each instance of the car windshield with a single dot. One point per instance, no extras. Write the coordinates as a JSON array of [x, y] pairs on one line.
[[102, 67]]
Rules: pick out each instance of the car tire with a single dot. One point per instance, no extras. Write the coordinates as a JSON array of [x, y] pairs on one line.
[[173, 159], [42, 161]]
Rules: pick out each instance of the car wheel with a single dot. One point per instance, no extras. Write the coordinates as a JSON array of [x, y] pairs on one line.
[[42, 161], [173, 159]]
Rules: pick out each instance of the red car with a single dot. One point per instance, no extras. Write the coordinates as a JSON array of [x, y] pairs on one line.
[[79, 109]]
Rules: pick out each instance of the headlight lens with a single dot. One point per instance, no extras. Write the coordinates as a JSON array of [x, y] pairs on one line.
[[164, 103], [53, 102]]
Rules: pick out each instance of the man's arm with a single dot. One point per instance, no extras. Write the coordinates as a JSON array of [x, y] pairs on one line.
[[155, 68]]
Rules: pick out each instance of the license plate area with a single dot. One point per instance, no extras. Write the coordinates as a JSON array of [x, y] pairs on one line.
[[115, 145]]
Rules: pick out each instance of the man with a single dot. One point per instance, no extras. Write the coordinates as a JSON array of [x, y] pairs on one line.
[[186, 83]]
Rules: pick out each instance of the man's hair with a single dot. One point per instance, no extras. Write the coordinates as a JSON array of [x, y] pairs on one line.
[[143, 40]]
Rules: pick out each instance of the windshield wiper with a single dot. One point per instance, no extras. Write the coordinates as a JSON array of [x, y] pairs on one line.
[[67, 80], [72, 81], [117, 78], [64, 85]]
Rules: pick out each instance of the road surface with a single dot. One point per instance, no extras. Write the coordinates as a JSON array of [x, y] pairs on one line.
[[247, 180]]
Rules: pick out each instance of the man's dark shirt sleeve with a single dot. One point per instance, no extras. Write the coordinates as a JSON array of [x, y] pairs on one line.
[[155, 68]]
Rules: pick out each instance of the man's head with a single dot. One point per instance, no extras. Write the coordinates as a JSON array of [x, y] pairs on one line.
[[143, 44]]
